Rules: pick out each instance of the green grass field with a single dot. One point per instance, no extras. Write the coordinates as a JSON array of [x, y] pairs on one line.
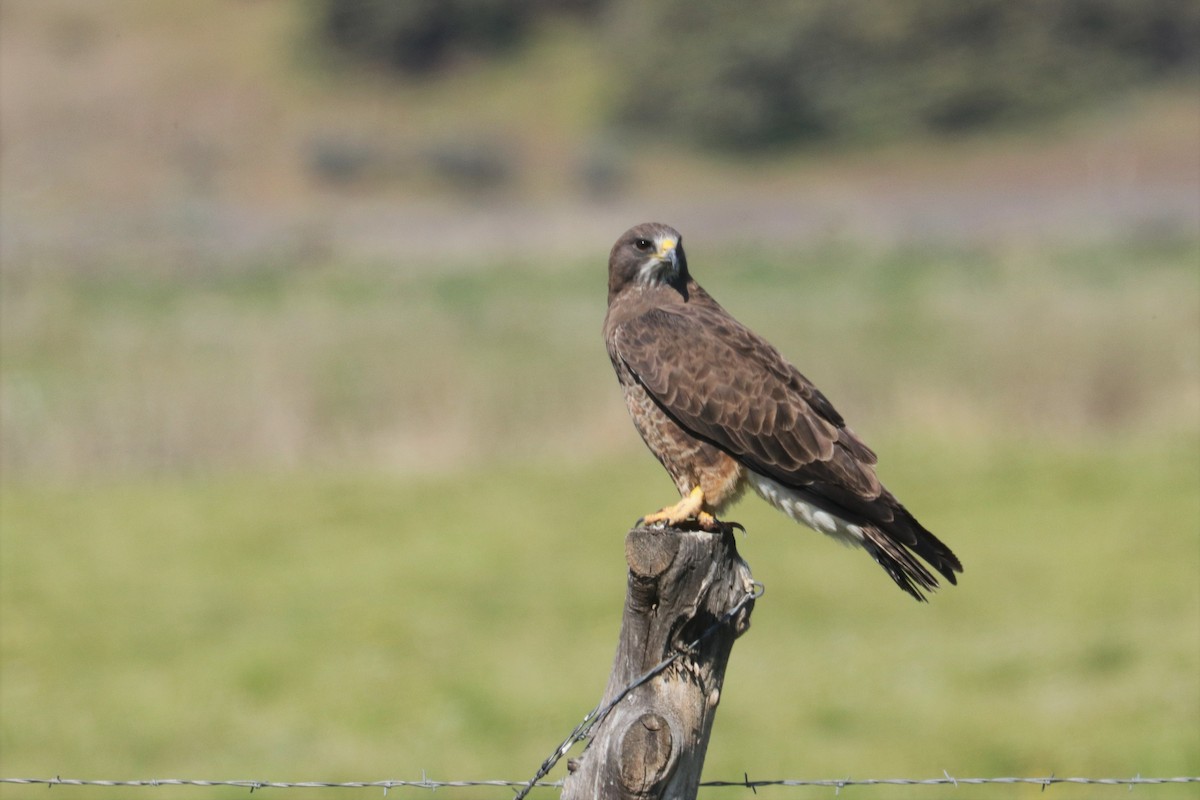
[[355, 523], [419, 367], [361, 627]]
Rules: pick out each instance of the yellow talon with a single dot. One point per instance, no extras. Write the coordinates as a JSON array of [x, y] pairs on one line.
[[689, 507]]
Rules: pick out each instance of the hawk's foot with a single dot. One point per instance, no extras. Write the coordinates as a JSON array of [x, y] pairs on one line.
[[688, 508]]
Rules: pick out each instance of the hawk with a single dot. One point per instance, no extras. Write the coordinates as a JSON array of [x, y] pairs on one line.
[[722, 410]]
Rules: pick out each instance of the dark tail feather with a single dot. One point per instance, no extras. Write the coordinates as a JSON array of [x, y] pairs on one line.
[[936, 554], [896, 559], [908, 573]]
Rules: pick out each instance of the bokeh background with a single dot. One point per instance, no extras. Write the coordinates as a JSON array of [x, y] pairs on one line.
[[312, 466]]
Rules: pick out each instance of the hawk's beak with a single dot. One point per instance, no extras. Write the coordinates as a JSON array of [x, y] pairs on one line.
[[667, 253]]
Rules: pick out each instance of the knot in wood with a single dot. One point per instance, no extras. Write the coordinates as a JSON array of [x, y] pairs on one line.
[[645, 761]]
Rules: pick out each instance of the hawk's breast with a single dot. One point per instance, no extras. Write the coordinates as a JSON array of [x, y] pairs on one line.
[[689, 460]]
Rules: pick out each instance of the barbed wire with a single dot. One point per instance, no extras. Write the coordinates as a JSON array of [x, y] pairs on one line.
[[594, 717], [950, 780], [837, 784], [252, 785]]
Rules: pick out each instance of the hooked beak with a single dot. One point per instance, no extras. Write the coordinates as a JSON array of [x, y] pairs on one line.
[[667, 251]]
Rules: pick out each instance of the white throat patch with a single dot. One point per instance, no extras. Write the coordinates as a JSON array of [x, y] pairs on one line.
[[655, 271]]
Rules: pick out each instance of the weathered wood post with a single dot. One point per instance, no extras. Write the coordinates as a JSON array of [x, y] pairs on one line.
[[651, 745]]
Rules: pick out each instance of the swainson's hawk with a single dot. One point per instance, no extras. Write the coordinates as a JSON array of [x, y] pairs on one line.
[[723, 410]]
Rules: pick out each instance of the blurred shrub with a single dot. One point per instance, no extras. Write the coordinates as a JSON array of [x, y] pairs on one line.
[[747, 75], [341, 160], [741, 76], [471, 164], [417, 36]]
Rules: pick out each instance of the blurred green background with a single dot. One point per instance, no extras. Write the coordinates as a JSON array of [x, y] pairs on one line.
[[312, 466]]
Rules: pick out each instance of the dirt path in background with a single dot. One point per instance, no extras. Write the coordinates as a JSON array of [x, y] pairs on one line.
[[1058, 190]]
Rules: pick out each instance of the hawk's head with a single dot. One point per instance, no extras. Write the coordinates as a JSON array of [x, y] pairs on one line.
[[650, 254]]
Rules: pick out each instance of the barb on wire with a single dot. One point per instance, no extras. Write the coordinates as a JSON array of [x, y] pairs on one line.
[[597, 714]]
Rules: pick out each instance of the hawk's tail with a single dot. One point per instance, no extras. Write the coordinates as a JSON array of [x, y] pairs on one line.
[[894, 549], [880, 525]]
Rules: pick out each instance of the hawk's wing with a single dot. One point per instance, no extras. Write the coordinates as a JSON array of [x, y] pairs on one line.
[[726, 384]]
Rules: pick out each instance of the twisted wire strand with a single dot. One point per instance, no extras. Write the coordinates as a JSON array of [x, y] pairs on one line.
[[746, 782]]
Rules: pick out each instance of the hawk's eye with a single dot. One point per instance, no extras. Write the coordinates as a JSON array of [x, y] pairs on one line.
[[642, 244]]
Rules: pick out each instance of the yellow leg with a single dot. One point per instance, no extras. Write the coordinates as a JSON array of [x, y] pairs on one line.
[[690, 507]]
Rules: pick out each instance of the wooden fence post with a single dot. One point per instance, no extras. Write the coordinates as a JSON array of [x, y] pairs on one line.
[[651, 745]]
